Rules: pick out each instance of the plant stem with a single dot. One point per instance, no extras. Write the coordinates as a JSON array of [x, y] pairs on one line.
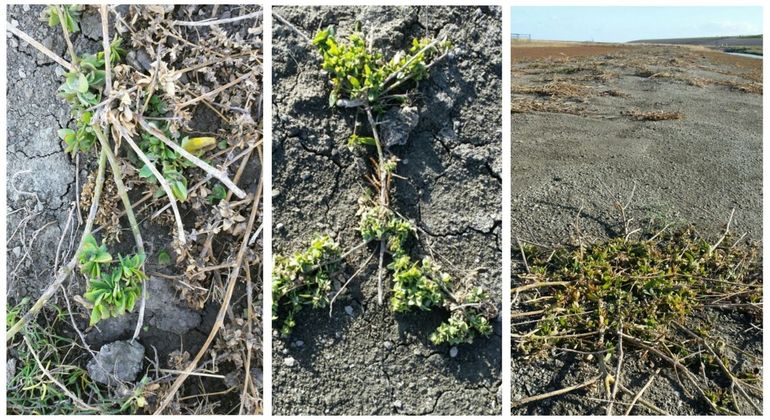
[[159, 177], [40, 47], [66, 32], [382, 173], [216, 173], [117, 175], [209, 22], [107, 50]]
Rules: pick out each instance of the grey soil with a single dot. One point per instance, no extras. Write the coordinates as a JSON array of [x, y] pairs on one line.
[[365, 360], [688, 171]]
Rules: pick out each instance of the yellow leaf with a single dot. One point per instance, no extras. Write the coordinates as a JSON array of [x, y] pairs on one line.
[[198, 144]]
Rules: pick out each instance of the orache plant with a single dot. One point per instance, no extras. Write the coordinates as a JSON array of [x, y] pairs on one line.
[[364, 79]]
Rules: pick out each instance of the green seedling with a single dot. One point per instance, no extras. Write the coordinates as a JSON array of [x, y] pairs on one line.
[[70, 14], [113, 292], [92, 257], [164, 258]]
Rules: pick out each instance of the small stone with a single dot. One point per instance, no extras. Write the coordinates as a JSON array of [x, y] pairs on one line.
[[289, 361], [453, 352], [17, 251], [398, 124], [22, 75], [398, 404], [276, 193], [14, 23], [119, 361], [388, 345], [299, 343], [349, 310]]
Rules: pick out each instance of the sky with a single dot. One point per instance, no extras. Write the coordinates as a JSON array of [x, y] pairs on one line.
[[621, 24]]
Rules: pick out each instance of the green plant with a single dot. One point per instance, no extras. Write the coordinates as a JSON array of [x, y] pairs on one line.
[[113, 292], [652, 294], [82, 89], [359, 74], [92, 256], [303, 279], [362, 78], [169, 162], [29, 389], [70, 14]]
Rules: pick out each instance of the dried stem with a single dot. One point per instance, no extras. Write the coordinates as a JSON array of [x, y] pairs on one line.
[[382, 174], [159, 177], [216, 173], [551, 394], [344, 286], [38, 46], [209, 22], [231, 281], [293, 28]]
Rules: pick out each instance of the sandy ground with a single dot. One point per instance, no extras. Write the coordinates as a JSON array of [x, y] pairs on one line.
[[572, 163], [365, 360]]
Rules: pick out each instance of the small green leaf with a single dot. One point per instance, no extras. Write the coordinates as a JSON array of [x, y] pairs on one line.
[[164, 258]]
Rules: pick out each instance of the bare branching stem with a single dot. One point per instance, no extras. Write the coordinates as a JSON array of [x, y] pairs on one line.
[[163, 183], [382, 174], [210, 22], [551, 394], [293, 28], [40, 47]]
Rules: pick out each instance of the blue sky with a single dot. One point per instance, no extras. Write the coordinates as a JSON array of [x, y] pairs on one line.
[[620, 24]]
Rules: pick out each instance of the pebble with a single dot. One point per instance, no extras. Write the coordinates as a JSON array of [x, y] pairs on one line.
[[398, 404], [14, 23], [22, 74], [289, 361], [349, 310], [299, 343], [453, 352], [276, 193], [388, 345], [17, 251]]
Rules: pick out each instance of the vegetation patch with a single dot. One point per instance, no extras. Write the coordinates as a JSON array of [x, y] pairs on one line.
[[653, 296], [366, 81]]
